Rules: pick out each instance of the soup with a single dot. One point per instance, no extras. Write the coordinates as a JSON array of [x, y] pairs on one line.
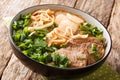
[[58, 38]]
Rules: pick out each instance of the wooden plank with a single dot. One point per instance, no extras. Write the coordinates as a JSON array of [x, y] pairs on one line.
[[15, 70], [9, 8], [100, 9], [5, 49], [62, 2], [12, 7], [114, 29]]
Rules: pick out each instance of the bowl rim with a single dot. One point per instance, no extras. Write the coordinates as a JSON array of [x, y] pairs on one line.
[[58, 5]]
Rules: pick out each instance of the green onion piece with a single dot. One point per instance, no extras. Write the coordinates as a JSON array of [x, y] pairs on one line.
[[17, 35], [94, 49], [60, 60], [87, 28], [14, 25], [63, 45], [97, 57]]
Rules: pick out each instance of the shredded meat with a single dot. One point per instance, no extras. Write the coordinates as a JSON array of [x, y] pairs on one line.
[[78, 51], [77, 56], [79, 41]]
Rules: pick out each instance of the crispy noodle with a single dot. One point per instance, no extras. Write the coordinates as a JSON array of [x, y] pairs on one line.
[[57, 36], [41, 19]]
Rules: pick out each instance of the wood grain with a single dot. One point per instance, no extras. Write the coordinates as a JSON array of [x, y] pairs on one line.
[[114, 29], [70, 3], [9, 8], [5, 49], [15, 70], [100, 9]]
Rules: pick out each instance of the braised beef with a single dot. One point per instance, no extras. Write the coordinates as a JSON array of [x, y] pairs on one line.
[[79, 51]]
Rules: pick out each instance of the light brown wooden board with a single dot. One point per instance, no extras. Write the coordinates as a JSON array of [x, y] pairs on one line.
[[15, 70], [100, 9], [9, 8], [114, 29], [5, 49], [70, 3]]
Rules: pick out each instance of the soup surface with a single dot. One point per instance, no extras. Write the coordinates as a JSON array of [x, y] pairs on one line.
[[58, 38]]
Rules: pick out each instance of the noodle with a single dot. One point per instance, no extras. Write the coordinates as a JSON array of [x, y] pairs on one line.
[[42, 19]]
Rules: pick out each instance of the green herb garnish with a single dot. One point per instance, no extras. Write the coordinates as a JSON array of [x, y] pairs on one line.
[[60, 60], [87, 28], [93, 49]]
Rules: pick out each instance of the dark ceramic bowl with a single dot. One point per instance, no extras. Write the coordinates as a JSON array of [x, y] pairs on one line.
[[50, 71]]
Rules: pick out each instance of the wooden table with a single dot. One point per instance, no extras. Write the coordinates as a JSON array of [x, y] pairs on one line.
[[106, 11]]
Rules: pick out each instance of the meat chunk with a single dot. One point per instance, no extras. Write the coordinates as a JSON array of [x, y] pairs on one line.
[[59, 16], [63, 20], [77, 56], [75, 18], [79, 51], [78, 41], [67, 23]]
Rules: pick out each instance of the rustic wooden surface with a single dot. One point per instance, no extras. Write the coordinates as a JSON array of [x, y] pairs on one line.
[[106, 11], [114, 29]]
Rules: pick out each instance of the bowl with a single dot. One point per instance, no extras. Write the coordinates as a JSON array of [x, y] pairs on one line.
[[50, 71]]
